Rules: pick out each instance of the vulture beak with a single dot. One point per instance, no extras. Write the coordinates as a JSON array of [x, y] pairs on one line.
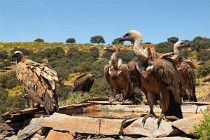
[[121, 39], [14, 55], [186, 45], [105, 48]]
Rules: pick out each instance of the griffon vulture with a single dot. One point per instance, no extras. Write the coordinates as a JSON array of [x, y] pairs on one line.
[[185, 68], [38, 81], [161, 83], [83, 83], [117, 76]]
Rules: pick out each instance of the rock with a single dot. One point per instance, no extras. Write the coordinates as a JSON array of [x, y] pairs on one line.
[[72, 124], [30, 129], [150, 129], [109, 138], [81, 124], [14, 137], [163, 138], [37, 136], [187, 125], [115, 125], [208, 108], [35, 139], [55, 135]]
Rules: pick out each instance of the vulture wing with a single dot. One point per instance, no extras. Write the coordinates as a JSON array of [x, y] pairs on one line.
[[80, 82], [188, 78], [39, 82], [106, 73], [165, 71]]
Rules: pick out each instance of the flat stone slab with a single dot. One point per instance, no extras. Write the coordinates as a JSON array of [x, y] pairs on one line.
[[163, 138], [80, 124], [187, 125], [30, 129], [150, 129]]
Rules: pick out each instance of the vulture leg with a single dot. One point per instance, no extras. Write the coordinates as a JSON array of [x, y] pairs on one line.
[[119, 97], [164, 104], [151, 100], [151, 114]]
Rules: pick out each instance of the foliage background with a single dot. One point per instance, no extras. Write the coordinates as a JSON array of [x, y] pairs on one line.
[[72, 60]]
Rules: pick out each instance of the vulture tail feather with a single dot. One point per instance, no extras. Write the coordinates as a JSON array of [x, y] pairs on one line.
[[174, 108], [194, 96], [50, 103]]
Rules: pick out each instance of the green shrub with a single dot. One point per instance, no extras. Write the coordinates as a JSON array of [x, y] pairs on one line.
[[203, 70], [203, 130]]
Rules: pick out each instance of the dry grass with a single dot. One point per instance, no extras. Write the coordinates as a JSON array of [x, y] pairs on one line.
[[202, 90]]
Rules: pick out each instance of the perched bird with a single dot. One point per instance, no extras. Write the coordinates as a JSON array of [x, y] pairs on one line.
[[83, 83], [39, 81], [185, 68], [117, 75], [160, 83]]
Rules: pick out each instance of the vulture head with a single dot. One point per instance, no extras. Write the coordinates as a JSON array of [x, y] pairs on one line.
[[132, 36], [181, 44], [111, 48], [18, 55]]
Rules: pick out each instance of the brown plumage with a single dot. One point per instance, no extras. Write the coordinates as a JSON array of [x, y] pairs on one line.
[[161, 83], [185, 68], [83, 83], [117, 75], [38, 81], [187, 81]]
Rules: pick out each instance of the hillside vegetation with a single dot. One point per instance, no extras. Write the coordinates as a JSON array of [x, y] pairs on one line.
[[71, 60]]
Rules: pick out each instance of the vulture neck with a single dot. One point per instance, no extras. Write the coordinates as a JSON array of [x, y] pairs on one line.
[[114, 60], [176, 54], [139, 51], [22, 59]]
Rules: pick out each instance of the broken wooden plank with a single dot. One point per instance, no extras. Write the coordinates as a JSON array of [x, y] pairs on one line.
[[196, 103], [187, 125], [150, 129], [70, 109], [95, 99], [108, 103]]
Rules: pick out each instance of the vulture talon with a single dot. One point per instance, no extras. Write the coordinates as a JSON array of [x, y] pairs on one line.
[[146, 117], [160, 119]]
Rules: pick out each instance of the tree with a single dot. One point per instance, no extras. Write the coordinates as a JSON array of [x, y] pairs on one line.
[[204, 55], [70, 40], [117, 41], [173, 39], [38, 40], [199, 43], [97, 39], [164, 47], [3, 55]]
